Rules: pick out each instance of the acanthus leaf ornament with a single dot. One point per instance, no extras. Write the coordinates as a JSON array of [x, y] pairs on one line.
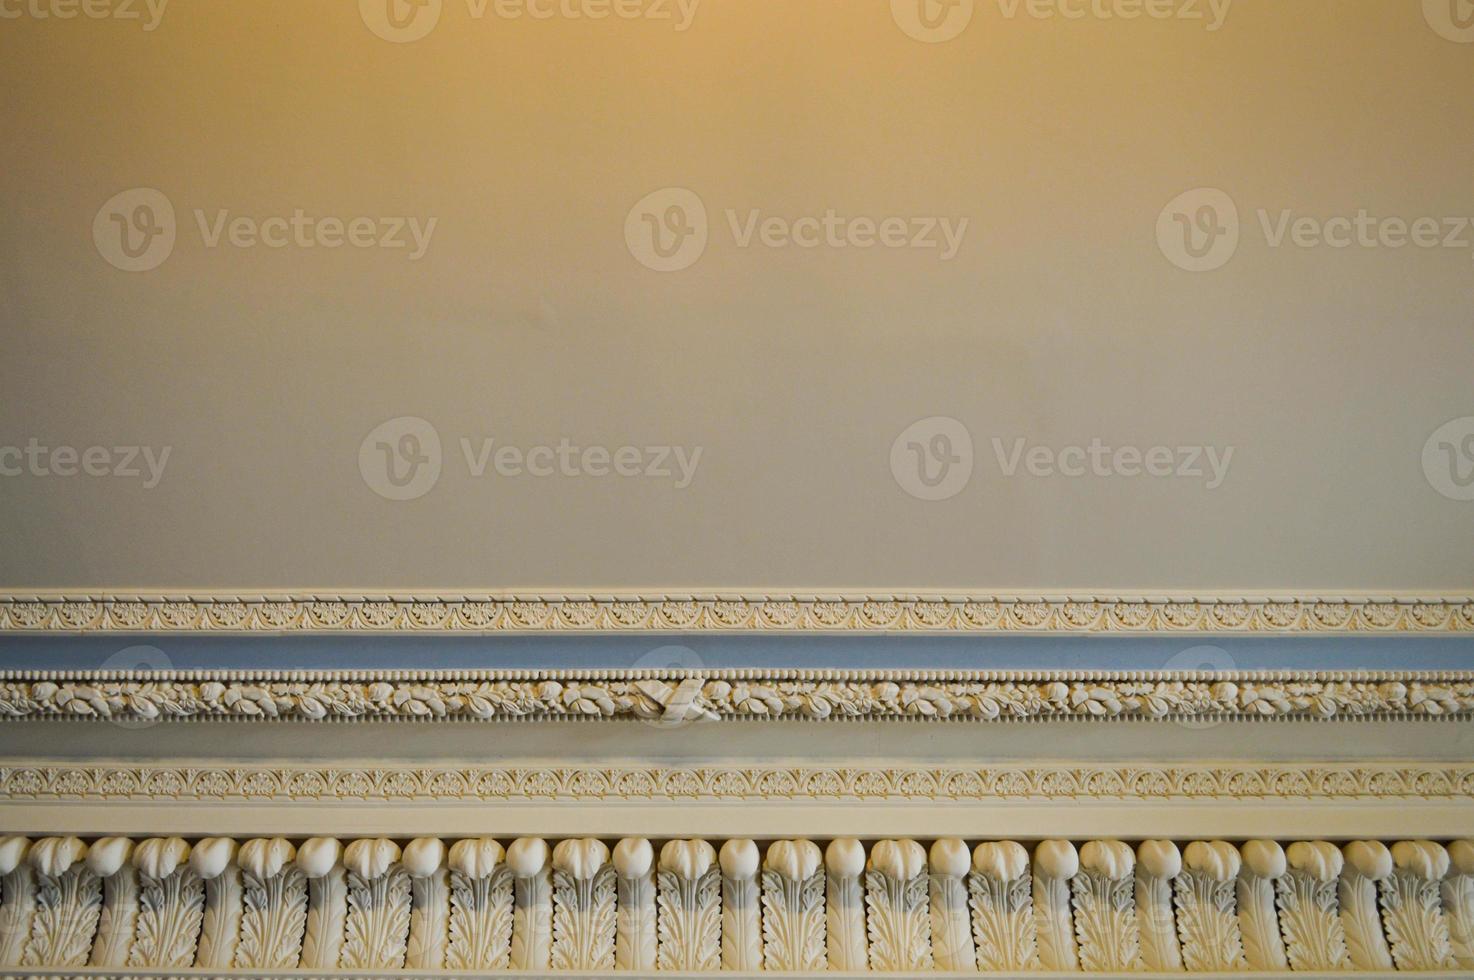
[[951, 924], [1207, 918], [1367, 863], [689, 883], [1263, 864], [1003, 907], [1105, 912], [1411, 907], [1315, 938], [584, 913], [793, 907]]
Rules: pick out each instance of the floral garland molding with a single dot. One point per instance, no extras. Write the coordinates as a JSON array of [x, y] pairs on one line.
[[676, 697]]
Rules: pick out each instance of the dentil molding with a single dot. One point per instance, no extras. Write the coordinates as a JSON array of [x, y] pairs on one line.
[[777, 612]]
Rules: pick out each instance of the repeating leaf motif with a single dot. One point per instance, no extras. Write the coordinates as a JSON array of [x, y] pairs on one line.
[[1054, 923], [429, 923], [584, 921], [742, 943], [1314, 936], [220, 930], [1361, 920], [899, 922], [1105, 923], [480, 921], [376, 934], [1003, 923], [170, 914], [846, 940], [1208, 924], [1160, 948], [636, 939], [793, 922], [951, 925], [1458, 902], [273, 921], [690, 922], [67, 910], [1415, 925], [18, 889], [1264, 947], [119, 919], [532, 922], [327, 917]]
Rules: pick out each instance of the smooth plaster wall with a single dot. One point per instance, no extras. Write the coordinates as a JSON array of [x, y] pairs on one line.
[[527, 320]]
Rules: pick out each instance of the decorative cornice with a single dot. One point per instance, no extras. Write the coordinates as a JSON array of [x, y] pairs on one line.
[[348, 784], [733, 613], [269, 905], [679, 696]]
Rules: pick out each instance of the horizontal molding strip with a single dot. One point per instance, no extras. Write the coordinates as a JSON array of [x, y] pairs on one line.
[[677, 697], [744, 612], [630, 906], [351, 784]]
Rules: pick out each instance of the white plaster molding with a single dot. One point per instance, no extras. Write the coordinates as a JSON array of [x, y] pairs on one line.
[[750, 611], [793, 907], [729, 695], [65, 937]]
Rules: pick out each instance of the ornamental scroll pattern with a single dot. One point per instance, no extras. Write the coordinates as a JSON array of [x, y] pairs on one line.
[[677, 697], [1109, 887], [739, 613]]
